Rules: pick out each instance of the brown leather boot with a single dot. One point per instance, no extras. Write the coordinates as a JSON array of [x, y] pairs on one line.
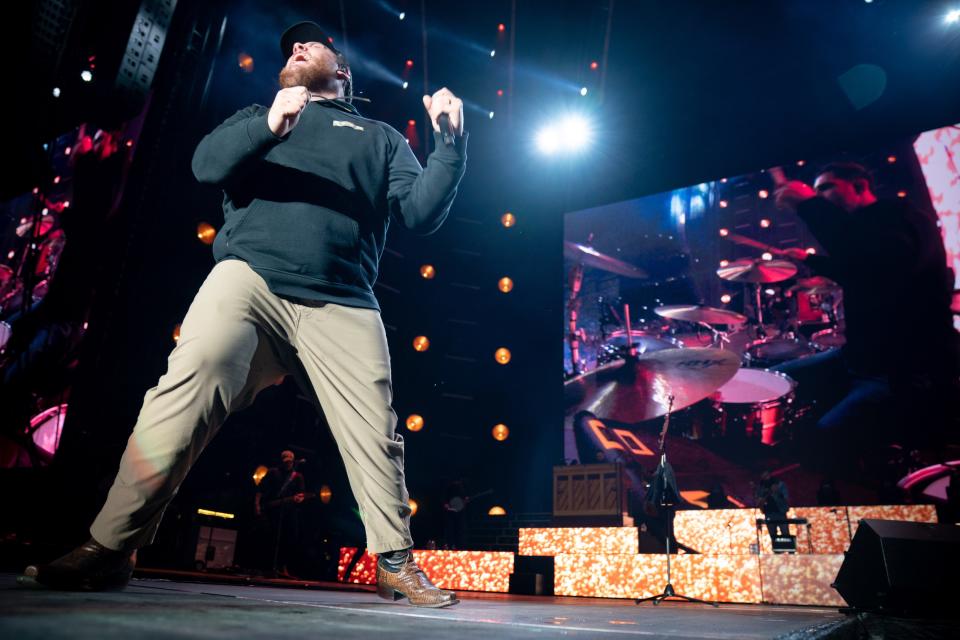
[[89, 567], [414, 585]]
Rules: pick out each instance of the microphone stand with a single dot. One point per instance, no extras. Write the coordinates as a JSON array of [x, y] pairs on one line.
[[661, 479]]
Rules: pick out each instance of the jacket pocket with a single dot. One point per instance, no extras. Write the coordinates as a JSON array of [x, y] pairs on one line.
[[304, 239]]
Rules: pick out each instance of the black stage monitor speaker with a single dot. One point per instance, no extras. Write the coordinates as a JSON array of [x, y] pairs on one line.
[[902, 568]]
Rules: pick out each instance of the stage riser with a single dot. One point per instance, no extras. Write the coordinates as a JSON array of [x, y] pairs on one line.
[[774, 579], [603, 562], [724, 531], [459, 570]]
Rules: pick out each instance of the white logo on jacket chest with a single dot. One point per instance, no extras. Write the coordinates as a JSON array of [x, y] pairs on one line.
[[347, 123]]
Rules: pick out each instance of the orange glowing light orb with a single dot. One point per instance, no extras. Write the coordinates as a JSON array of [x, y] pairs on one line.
[[414, 422], [421, 343], [901, 194], [206, 233], [500, 432], [508, 219], [245, 60], [413, 506], [428, 272], [763, 193], [259, 473], [325, 494], [891, 159], [176, 333], [502, 355], [594, 65], [505, 284], [497, 511]]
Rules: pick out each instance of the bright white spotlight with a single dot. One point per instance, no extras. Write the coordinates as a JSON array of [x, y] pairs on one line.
[[576, 133], [86, 75], [570, 134], [403, 14], [583, 91], [56, 92], [493, 52], [953, 17], [405, 84], [491, 115], [548, 140]]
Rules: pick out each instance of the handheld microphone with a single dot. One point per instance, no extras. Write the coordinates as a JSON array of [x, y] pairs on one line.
[[444, 123]]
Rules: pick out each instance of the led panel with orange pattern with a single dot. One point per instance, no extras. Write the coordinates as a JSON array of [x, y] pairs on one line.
[[775, 579], [734, 531], [910, 512], [723, 578], [459, 570], [554, 541], [801, 579]]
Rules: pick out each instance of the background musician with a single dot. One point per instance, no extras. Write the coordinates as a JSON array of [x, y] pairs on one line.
[[889, 259], [277, 498]]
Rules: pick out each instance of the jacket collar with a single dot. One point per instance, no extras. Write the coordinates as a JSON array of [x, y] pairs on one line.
[[337, 103]]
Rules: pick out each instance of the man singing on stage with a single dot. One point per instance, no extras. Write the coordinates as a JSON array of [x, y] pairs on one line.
[[310, 187]]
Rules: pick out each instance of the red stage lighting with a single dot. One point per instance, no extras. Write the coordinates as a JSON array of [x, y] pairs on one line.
[[409, 63], [594, 65], [501, 27]]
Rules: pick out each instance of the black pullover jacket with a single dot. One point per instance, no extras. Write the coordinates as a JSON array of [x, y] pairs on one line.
[[309, 211], [890, 261]]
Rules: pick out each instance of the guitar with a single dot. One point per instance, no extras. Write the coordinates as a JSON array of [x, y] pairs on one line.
[[298, 498], [457, 504]]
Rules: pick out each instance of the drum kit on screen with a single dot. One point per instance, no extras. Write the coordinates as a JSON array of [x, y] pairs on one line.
[[715, 361]]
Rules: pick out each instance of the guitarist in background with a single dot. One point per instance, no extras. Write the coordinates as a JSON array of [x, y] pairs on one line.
[[278, 495], [455, 516]]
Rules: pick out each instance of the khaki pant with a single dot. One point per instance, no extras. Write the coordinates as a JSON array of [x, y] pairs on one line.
[[237, 339]]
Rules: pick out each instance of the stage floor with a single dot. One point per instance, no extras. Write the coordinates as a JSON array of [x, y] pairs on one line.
[[167, 609]]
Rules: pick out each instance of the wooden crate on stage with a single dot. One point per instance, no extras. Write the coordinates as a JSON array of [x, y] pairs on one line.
[[589, 494]]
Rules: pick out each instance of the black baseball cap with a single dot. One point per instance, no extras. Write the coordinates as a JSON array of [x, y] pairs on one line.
[[304, 32]]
